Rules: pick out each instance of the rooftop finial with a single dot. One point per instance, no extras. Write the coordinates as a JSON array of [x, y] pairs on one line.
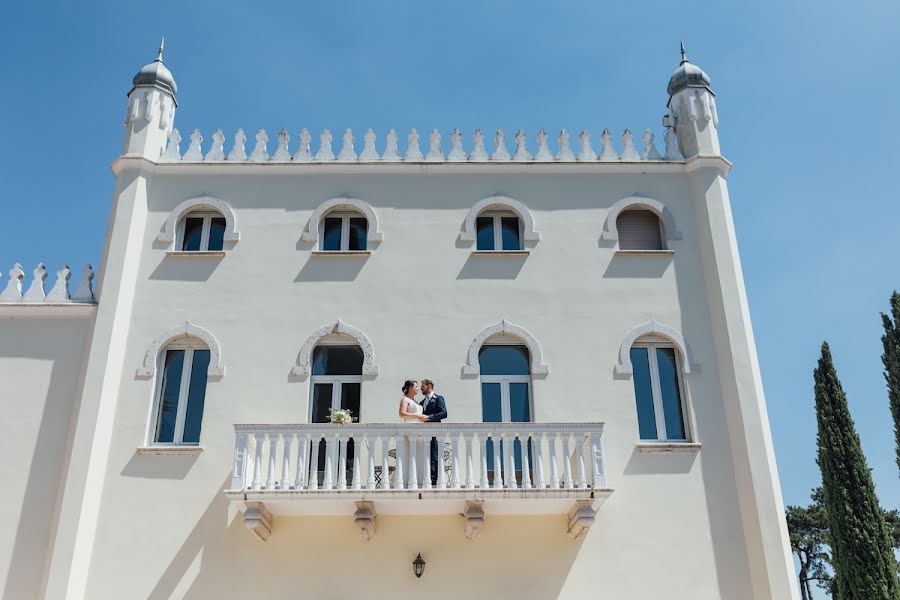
[[162, 45], [683, 53]]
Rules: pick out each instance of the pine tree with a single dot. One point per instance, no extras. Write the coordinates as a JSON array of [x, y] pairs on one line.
[[863, 560], [891, 360]]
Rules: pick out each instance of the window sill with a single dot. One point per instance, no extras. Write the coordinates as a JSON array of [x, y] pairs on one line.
[[668, 447], [170, 450], [501, 252], [195, 253], [645, 252], [344, 253]]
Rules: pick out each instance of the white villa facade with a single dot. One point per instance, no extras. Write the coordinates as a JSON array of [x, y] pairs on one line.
[[581, 309]]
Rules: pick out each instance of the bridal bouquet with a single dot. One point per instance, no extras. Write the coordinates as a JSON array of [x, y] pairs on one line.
[[341, 416]]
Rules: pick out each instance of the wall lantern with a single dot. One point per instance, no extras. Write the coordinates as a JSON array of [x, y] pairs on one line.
[[419, 565]]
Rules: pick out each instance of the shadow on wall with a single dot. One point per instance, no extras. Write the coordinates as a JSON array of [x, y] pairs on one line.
[[660, 463], [331, 268], [186, 268], [323, 557], [638, 266], [159, 467], [485, 266]]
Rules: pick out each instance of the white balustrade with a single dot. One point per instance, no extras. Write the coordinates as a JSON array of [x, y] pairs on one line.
[[382, 457], [11, 291]]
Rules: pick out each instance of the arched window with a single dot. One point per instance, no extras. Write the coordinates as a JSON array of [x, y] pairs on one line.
[[343, 231], [640, 229], [181, 392], [499, 224], [659, 390], [336, 380], [505, 393], [201, 231]]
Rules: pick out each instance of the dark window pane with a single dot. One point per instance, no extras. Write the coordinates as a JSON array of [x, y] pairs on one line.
[[168, 400], [491, 411], [358, 231], [519, 406], [337, 360], [193, 231], [321, 402], [510, 229], [504, 360], [643, 392], [671, 394], [331, 235], [484, 227], [350, 396], [196, 395], [216, 234]]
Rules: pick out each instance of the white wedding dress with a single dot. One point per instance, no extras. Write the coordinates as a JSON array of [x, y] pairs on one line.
[[403, 454]]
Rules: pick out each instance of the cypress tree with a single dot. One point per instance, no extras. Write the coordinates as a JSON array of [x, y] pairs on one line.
[[863, 560], [891, 360]]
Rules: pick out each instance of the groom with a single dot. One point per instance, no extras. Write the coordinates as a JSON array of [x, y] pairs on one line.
[[435, 410]]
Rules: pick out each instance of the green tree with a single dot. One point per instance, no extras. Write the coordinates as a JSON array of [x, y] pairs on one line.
[[891, 360], [808, 531], [863, 559]]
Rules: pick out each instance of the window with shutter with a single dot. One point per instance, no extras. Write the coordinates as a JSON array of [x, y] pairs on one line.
[[639, 230]]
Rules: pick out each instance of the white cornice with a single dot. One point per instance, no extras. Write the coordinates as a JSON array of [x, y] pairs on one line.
[[46, 310], [124, 163]]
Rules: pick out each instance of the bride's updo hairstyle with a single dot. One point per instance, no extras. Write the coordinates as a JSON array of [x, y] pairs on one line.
[[407, 385]]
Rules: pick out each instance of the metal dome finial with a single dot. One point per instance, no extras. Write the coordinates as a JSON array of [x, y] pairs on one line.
[[162, 45], [683, 54]]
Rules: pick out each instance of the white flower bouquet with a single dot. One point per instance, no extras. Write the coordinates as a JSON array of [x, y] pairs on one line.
[[341, 416]]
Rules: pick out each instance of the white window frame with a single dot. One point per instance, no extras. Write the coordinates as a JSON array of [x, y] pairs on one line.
[[497, 215], [337, 382], [504, 381], [183, 391], [345, 217], [204, 234], [656, 390]]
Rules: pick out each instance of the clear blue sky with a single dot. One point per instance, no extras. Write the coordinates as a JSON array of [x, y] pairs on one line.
[[807, 96]]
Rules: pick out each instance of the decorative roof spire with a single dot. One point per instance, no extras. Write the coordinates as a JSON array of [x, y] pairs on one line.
[[156, 74], [162, 45], [683, 53]]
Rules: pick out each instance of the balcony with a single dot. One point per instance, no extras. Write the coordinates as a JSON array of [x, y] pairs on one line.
[[362, 470]]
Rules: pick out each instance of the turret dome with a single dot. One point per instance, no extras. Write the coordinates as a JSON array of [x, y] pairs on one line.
[[687, 75], [156, 75]]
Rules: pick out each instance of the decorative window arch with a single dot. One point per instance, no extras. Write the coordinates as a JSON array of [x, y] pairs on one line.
[[369, 368], [472, 366], [184, 330], [653, 328], [373, 233], [196, 204], [611, 231], [503, 203]]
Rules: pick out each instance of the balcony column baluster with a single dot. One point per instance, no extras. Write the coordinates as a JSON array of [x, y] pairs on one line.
[[287, 442], [443, 441], [302, 451], [413, 463], [470, 468], [526, 467], [385, 472], [597, 462], [370, 462], [328, 479], [509, 451], [538, 445], [567, 461], [357, 447], [554, 467], [426, 460], [400, 459], [579, 454], [239, 473], [454, 462], [342, 462], [314, 462], [257, 463], [498, 467], [273, 455]]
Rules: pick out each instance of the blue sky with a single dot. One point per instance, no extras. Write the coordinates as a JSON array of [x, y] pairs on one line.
[[806, 91]]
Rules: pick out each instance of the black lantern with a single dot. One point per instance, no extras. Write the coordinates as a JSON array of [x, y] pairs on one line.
[[419, 565]]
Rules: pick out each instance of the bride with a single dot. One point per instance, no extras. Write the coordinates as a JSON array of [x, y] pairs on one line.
[[411, 412]]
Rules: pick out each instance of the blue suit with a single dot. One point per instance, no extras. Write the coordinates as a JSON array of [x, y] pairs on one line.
[[436, 411]]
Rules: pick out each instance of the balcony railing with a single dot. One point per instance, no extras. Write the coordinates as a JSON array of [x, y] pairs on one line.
[[304, 469]]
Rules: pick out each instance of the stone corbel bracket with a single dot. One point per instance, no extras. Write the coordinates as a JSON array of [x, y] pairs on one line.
[[364, 517], [580, 518], [258, 520], [473, 517]]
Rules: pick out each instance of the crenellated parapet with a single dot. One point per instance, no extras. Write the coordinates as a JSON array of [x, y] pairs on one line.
[[436, 149], [16, 292]]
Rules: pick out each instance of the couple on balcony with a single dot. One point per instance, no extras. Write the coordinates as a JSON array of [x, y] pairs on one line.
[[431, 409]]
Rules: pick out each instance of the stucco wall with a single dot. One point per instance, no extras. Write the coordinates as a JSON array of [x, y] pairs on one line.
[[40, 374], [672, 526]]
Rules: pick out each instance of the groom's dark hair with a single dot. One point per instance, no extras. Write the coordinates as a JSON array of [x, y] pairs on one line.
[[428, 382]]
